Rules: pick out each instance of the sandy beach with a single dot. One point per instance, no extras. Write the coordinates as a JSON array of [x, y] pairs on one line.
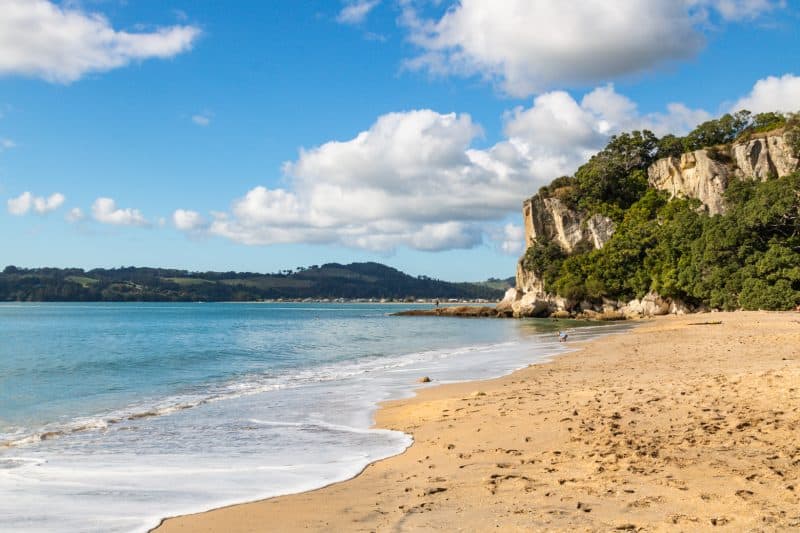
[[681, 424]]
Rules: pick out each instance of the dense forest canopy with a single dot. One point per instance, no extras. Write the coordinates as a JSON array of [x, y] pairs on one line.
[[747, 258], [353, 281]]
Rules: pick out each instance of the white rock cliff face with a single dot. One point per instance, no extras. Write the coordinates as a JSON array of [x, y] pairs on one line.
[[693, 175], [550, 219], [705, 174]]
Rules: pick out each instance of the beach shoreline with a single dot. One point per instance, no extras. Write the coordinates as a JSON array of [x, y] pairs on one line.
[[701, 441]]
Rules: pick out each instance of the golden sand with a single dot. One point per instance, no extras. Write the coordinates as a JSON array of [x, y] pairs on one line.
[[669, 427]]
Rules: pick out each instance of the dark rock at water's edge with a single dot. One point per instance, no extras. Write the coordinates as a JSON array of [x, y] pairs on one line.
[[502, 311], [460, 311]]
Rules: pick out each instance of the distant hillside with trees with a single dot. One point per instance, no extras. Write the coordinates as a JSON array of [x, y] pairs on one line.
[[329, 281]]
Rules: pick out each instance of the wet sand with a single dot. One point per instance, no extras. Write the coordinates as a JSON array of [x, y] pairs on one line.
[[669, 427]]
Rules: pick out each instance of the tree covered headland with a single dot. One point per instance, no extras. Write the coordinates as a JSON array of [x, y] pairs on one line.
[[747, 258], [332, 281]]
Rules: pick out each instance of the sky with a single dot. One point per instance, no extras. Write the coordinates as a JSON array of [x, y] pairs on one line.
[[261, 136]]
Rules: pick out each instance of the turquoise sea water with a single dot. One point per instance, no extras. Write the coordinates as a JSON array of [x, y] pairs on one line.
[[113, 416]]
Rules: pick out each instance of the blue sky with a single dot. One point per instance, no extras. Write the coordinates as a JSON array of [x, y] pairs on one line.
[[260, 136]]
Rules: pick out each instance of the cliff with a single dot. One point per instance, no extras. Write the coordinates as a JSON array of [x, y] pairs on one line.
[[705, 174], [550, 219]]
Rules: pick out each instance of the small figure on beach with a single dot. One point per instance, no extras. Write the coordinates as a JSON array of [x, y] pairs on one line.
[[562, 336], [437, 303]]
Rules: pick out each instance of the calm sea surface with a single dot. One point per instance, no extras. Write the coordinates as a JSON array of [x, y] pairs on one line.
[[113, 416]]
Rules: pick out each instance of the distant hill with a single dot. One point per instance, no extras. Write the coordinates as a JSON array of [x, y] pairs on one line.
[[499, 284], [329, 281]]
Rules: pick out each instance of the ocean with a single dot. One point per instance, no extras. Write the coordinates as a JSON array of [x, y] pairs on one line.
[[116, 415]]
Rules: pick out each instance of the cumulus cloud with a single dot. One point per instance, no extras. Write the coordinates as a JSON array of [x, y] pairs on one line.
[[740, 9], [355, 11], [772, 94], [512, 239], [74, 215], [59, 43], [105, 210], [529, 46], [410, 179], [27, 202], [202, 119], [187, 220]]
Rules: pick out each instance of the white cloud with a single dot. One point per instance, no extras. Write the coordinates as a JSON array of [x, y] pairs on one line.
[[202, 119], [529, 46], [21, 204], [187, 220], [106, 211], [511, 239], [772, 94], [74, 215], [355, 11], [61, 44], [51, 203], [26, 202], [740, 9], [6, 144]]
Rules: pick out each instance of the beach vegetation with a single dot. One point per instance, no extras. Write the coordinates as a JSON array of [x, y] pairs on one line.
[[748, 258]]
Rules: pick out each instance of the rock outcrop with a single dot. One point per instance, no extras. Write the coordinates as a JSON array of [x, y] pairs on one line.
[[693, 175], [705, 174], [550, 219]]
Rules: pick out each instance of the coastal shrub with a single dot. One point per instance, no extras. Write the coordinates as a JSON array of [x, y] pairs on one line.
[[544, 259], [670, 146], [723, 130], [767, 122], [617, 174], [547, 191], [758, 294]]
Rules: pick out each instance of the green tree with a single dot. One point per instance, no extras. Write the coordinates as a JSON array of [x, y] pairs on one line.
[[616, 175]]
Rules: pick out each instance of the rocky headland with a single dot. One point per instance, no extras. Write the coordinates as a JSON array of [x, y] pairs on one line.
[[703, 174]]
